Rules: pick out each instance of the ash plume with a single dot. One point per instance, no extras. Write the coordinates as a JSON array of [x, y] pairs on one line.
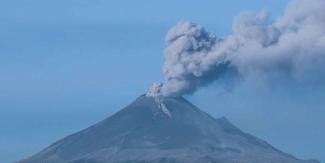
[[292, 46]]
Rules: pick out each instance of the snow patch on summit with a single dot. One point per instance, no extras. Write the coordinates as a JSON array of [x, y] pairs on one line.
[[155, 92], [162, 106]]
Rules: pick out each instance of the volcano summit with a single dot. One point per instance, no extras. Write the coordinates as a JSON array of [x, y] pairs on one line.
[[157, 129]]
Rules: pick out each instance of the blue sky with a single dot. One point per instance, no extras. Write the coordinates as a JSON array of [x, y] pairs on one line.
[[67, 64]]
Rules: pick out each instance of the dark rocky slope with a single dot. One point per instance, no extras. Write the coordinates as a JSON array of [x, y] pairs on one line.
[[161, 130]]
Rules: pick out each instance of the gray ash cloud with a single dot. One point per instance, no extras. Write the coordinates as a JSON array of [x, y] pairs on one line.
[[292, 46]]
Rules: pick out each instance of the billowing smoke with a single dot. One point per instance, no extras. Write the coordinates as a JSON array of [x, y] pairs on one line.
[[292, 46]]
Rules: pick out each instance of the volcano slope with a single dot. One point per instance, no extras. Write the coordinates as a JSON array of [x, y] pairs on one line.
[[162, 130]]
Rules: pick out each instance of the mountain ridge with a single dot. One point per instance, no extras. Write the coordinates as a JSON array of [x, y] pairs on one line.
[[161, 129]]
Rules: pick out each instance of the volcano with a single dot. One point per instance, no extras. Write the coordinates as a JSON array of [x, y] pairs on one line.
[[156, 129]]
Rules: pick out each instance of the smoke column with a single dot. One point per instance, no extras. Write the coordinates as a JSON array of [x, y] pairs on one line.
[[293, 46]]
